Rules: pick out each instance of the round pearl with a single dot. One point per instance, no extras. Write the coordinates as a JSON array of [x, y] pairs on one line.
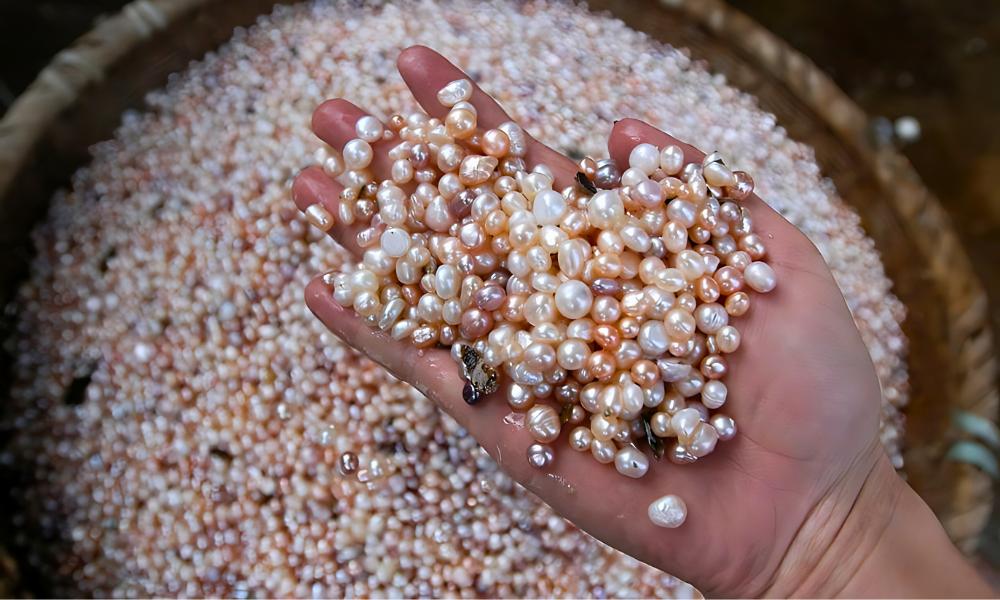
[[540, 455], [760, 277], [606, 210], [724, 425], [358, 154], [631, 462], [668, 511], [543, 423], [496, 143], [603, 450], [659, 423], [580, 439], [671, 159], [644, 157], [549, 207], [711, 317], [713, 394], [573, 299], [572, 354], [476, 324], [395, 241], [727, 339], [680, 324], [457, 91], [520, 397], [539, 357], [369, 128]]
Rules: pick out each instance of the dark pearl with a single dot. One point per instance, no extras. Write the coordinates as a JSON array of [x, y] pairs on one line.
[[469, 394]]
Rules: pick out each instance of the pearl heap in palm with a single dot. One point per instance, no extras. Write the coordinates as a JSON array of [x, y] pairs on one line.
[[610, 299]]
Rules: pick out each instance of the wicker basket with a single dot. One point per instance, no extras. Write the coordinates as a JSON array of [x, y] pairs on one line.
[[78, 99]]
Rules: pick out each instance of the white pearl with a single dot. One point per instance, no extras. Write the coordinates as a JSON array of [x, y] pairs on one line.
[[518, 138], [582, 329], [580, 439], [358, 154], [447, 281], [369, 128], [572, 354], [632, 400], [520, 397], [572, 255], [540, 455], [539, 308], [668, 511], [760, 276], [603, 450], [549, 207], [724, 425], [671, 159], [727, 339], [631, 462], [711, 317], [395, 241], [606, 210], [703, 441], [635, 238], [644, 157], [437, 216], [457, 91], [653, 338], [543, 423], [718, 175], [684, 422], [632, 177], [713, 394], [574, 299]]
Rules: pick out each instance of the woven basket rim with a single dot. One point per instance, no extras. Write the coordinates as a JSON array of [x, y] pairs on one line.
[[86, 62]]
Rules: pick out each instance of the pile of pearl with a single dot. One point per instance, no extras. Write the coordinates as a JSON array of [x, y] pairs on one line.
[[610, 298]]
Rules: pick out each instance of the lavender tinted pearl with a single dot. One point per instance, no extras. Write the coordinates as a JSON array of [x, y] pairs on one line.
[[608, 174], [604, 286], [490, 297], [476, 324], [461, 205], [540, 455]]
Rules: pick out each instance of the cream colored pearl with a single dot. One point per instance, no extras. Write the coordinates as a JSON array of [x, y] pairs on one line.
[[724, 425], [549, 207], [447, 281], [671, 159], [603, 428], [540, 308], [711, 317], [718, 175], [517, 137], [606, 210], [580, 439], [457, 91], [574, 299], [319, 217], [631, 462], [572, 354], [540, 456], [760, 276], [653, 338], [713, 394], [680, 324], [358, 154], [543, 423], [395, 241], [603, 450], [684, 423], [703, 441], [520, 397], [369, 129], [659, 423], [644, 157], [668, 511], [727, 339]]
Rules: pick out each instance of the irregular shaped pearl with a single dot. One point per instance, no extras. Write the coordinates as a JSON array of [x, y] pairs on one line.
[[520, 397], [540, 308], [711, 317], [668, 511], [457, 91], [518, 139], [724, 425], [606, 210], [319, 217], [703, 441], [653, 338], [369, 129], [549, 207], [580, 439], [540, 455], [447, 281], [718, 175], [760, 276], [631, 462], [358, 154], [395, 241], [685, 422], [574, 299], [644, 157], [603, 450], [543, 423]]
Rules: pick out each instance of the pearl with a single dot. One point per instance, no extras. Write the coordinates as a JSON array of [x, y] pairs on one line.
[[369, 129], [520, 397], [490, 297], [476, 324], [727, 339], [668, 511], [703, 441], [549, 207], [718, 175], [760, 277], [631, 462], [580, 439], [644, 157], [457, 91], [358, 154], [539, 357], [517, 137], [605, 309], [659, 424], [475, 170], [540, 455], [684, 423], [711, 317], [671, 159], [319, 217], [496, 143], [543, 423], [395, 241], [713, 394], [605, 210], [679, 324], [724, 425], [572, 354], [680, 455], [460, 123], [539, 308], [447, 281], [573, 299], [653, 338], [603, 450]]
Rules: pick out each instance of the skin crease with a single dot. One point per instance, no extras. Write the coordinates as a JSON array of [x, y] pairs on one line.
[[765, 509]]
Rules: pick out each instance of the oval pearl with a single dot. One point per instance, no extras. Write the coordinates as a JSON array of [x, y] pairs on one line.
[[644, 157], [475, 324], [447, 281], [540, 455], [727, 339], [671, 159], [573, 299], [572, 354], [603, 450], [711, 317], [668, 511], [457, 91], [580, 439], [520, 397], [543, 423], [680, 324], [631, 462], [713, 394], [760, 277], [653, 338], [516, 136], [606, 210], [539, 308], [549, 207], [724, 425], [490, 297]]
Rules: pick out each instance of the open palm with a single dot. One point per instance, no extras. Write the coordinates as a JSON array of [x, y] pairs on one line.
[[802, 390]]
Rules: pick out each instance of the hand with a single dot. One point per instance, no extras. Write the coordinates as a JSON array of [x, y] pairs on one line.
[[767, 511]]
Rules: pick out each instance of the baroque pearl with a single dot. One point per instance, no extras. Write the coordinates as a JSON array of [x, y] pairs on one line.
[[760, 277], [580, 439], [724, 425], [520, 397], [457, 91], [543, 423], [668, 511], [631, 462], [540, 455]]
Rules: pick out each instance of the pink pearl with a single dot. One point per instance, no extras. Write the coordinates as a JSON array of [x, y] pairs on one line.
[[490, 297], [475, 324]]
